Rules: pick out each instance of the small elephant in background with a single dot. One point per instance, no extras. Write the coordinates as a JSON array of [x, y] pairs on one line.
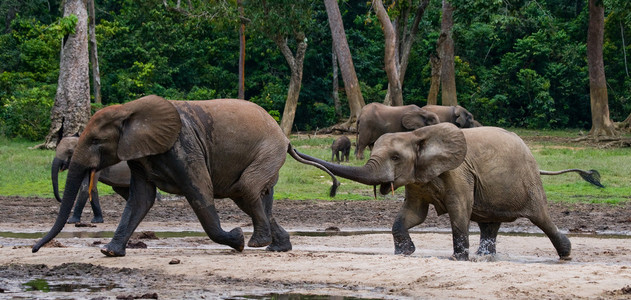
[[376, 119], [456, 115], [116, 176], [341, 145]]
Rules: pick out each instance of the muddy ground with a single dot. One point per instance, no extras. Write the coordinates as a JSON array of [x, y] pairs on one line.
[[335, 262]]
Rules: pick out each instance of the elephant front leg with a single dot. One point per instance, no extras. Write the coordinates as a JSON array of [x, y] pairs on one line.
[[82, 198], [411, 214], [460, 236], [142, 195], [96, 206]]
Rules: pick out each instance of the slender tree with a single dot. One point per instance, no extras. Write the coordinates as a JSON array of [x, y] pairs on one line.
[[601, 123], [336, 84], [394, 82], [94, 56], [241, 92], [446, 54], [432, 97], [71, 110], [343, 53]]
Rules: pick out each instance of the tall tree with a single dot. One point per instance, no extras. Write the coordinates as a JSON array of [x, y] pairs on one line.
[[336, 83], [601, 123], [343, 53], [94, 54], [398, 44], [71, 110], [241, 92], [434, 87], [446, 54]]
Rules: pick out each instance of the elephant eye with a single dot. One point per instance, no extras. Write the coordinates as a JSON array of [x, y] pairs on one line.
[[394, 157]]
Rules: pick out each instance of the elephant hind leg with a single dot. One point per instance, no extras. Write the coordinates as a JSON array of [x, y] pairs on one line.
[[280, 237], [261, 236], [561, 243], [488, 237]]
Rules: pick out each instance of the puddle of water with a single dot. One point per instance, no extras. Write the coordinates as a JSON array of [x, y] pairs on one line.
[[291, 296], [44, 285]]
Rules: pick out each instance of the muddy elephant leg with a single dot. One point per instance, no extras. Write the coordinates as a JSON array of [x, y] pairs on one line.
[[142, 196], [96, 206], [261, 236], [561, 243], [488, 236], [82, 198], [460, 236], [412, 213], [280, 237]]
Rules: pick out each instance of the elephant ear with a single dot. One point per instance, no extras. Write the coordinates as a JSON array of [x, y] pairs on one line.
[[152, 126], [418, 118], [440, 148]]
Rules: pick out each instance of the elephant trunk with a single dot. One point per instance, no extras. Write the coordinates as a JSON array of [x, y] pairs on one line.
[[368, 174], [76, 175], [56, 167]]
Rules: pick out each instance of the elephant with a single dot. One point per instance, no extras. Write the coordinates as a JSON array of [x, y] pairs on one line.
[[116, 176], [376, 119], [456, 115], [485, 174], [341, 145], [223, 148]]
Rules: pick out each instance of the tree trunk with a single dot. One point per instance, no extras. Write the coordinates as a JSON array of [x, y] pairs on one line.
[[71, 110], [432, 97], [295, 65], [241, 92], [601, 123], [94, 56], [446, 54], [351, 84], [336, 84], [394, 84]]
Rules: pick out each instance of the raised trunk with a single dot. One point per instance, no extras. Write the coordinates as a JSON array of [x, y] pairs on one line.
[[56, 167], [76, 175]]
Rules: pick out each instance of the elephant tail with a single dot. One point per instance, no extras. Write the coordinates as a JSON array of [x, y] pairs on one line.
[[336, 183], [591, 176]]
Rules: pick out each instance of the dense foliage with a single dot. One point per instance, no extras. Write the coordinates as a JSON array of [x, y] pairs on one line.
[[519, 62]]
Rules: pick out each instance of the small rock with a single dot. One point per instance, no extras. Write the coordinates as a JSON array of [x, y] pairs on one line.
[[174, 261]]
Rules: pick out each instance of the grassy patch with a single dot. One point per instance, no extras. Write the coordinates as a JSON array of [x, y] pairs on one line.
[[26, 172]]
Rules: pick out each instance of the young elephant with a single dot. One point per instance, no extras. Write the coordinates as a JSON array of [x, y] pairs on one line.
[[456, 115], [341, 145], [116, 176], [486, 175], [376, 119], [225, 148]]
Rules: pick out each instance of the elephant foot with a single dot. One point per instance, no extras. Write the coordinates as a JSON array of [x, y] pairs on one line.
[[97, 220], [110, 251], [486, 248], [259, 239], [73, 220], [462, 256], [279, 247], [405, 247], [235, 239]]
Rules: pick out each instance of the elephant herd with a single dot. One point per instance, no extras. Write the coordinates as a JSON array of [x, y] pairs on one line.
[[203, 150]]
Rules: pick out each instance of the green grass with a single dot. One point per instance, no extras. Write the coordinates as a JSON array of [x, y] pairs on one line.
[[26, 172]]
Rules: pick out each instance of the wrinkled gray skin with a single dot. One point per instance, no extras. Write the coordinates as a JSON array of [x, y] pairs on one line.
[[341, 145], [486, 175], [116, 176], [456, 115], [375, 119], [199, 149]]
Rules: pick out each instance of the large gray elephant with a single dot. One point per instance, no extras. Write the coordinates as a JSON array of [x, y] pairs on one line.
[[486, 175], [116, 176], [456, 115], [375, 119], [202, 150]]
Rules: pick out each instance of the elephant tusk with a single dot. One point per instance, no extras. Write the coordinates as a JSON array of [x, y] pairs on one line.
[[91, 184], [392, 187]]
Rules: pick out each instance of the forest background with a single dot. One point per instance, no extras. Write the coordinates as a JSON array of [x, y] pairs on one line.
[[519, 63]]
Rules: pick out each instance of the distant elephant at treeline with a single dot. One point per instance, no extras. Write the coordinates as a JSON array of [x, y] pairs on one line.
[[376, 119], [486, 174], [116, 176], [456, 115], [341, 145], [225, 148]]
